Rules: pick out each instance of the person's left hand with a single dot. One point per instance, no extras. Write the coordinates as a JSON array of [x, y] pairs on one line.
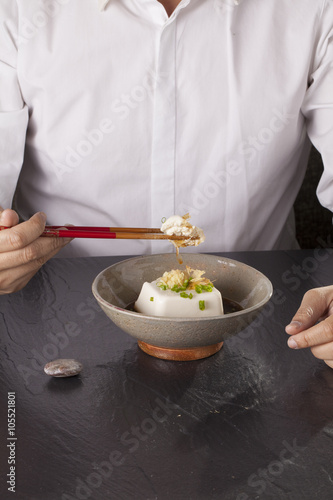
[[312, 325]]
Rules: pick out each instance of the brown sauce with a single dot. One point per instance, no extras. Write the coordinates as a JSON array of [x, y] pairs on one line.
[[230, 306]]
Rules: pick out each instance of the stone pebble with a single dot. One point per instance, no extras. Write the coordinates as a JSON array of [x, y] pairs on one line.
[[63, 368]]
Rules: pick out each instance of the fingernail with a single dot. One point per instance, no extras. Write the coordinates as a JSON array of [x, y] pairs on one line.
[[292, 343], [294, 324], [42, 216]]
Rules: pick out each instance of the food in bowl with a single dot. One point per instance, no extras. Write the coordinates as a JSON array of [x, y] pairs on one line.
[[117, 287], [180, 294]]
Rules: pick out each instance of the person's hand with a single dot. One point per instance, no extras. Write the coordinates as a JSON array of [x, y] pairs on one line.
[[312, 325], [22, 250]]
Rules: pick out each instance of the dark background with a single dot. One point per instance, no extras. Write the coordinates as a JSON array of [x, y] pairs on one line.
[[313, 221]]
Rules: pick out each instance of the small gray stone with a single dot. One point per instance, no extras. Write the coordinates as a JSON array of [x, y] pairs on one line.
[[63, 368]]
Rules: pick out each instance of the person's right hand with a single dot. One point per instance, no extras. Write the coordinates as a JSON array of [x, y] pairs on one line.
[[22, 250]]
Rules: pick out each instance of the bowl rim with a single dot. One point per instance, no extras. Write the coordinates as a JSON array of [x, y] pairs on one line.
[[220, 317]]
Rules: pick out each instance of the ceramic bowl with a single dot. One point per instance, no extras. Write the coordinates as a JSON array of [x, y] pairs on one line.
[[118, 286]]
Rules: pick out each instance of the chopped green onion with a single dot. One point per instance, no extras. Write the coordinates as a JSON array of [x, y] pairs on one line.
[[177, 288], [190, 296], [162, 286], [186, 295], [151, 299], [202, 306], [207, 288], [163, 220], [198, 288]]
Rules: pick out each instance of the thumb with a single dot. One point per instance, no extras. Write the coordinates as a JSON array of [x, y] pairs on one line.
[[8, 217], [314, 306]]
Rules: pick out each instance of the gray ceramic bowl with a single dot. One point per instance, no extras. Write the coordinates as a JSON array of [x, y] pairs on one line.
[[119, 285]]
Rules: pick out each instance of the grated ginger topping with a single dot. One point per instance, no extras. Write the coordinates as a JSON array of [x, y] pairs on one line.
[[177, 278]]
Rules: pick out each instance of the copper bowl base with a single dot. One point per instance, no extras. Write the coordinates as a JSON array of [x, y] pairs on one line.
[[189, 354]]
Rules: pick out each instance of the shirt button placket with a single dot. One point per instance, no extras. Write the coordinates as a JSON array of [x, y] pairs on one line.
[[164, 132]]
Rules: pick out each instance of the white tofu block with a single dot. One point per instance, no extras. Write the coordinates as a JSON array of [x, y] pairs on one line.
[[153, 301]]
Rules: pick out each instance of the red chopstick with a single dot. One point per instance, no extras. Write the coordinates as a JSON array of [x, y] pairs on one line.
[[81, 233], [109, 229], [105, 233]]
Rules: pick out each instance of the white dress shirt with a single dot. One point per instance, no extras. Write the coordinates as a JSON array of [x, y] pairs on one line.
[[114, 114]]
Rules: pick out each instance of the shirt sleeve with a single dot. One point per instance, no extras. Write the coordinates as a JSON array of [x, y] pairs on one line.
[[318, 103], [13, 111]]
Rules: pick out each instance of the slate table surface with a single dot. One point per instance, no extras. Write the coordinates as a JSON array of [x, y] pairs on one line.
[[254, 421]]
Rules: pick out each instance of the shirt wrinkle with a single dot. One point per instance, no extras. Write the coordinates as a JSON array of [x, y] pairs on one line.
[[102, 4]]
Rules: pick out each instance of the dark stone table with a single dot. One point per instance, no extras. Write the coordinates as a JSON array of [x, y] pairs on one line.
[[254, 421]]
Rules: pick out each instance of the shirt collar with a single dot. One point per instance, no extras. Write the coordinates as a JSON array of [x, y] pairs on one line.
[[102, 4]]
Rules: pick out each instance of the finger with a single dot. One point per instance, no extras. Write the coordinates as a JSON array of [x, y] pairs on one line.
[[14, 279], [323, 351], [315, 305], [8, 217], [329, 363], [23, 234], [322, 333], [58, 244], [35, 254]]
